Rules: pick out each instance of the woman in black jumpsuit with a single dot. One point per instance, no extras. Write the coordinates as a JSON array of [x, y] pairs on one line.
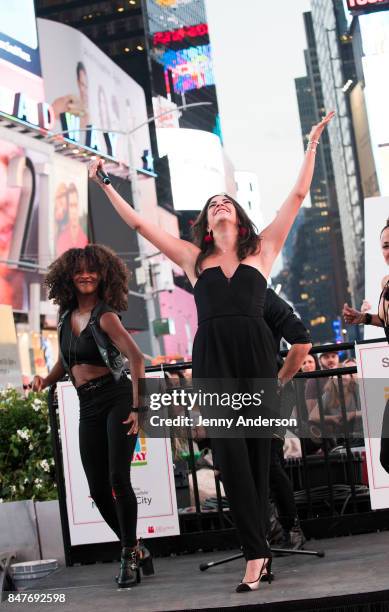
[[228, 265]]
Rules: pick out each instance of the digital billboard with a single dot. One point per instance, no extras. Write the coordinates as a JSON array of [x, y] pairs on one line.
[[88, 90], [173, 14], [69, 209], [20, 195], [191, 68], [20, 67], [375, 61], [362, 6]]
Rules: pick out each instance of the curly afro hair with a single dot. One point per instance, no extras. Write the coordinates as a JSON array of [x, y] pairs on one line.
[[113, 287]]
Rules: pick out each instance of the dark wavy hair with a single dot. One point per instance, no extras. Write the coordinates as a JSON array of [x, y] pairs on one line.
[[113, 286], [386, 227], [247, 244]]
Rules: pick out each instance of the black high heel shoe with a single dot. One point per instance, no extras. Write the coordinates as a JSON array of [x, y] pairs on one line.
[[129, 574], [246, 587]]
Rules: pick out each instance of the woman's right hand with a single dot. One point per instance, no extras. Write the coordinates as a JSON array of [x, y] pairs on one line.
[[38, 383], [352, 316], [93, 167]]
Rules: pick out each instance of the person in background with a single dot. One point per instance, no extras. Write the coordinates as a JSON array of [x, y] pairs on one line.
[[332, 407], [310, 363], [284, 323], [381, 319], [327, 361]]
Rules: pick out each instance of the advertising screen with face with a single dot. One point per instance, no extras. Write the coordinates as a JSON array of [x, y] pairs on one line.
[[20, 68], [69, 210], [86, 85]]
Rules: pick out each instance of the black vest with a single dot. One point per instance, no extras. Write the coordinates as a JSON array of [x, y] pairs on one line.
[[108, 351]]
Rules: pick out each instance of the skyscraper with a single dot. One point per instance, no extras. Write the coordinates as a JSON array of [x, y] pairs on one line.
[[314, 261], [336, 66]]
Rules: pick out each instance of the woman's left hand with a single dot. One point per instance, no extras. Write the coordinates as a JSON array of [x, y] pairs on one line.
[[317, 129], [133, 422]]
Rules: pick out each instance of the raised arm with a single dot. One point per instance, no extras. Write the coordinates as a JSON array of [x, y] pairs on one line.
[[276, 233], [181, 252]]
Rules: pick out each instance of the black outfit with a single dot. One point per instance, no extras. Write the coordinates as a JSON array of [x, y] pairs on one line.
[[110, 355], [105, 448], [234, 341], [283, 324], [384, 455]]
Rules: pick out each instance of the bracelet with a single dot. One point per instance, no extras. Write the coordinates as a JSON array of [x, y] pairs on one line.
[[138, 409], [312, 149], [313, 141], [368, 318]]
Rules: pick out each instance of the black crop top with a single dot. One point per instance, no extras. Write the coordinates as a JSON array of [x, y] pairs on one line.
[[80, 349]]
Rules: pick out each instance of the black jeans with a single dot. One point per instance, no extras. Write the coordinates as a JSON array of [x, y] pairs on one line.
[[280, 486], [106, 453], [384, 456]]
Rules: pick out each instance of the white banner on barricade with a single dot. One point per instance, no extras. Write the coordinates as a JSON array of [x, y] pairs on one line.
[[373, 371], [152, 479]]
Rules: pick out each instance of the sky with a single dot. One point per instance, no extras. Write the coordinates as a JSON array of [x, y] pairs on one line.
[[257, 50]]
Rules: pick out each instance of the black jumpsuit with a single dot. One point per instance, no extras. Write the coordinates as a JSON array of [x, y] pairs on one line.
[[234, 341]]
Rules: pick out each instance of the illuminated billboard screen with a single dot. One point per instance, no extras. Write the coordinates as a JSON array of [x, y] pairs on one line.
[[196, 165], [21, 193], [20, 67], [87, 88], [375, 42], [191, 68], [363, 6], [375, 33], [172, 14]]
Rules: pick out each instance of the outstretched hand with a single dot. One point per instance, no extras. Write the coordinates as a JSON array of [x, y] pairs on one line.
[[317, 129], [351, 315]]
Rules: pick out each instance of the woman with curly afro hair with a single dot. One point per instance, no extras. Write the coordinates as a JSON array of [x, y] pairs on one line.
[[90, 286]]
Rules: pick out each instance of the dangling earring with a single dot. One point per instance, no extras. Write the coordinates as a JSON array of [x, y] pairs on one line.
[[242, 231], [208, 237]]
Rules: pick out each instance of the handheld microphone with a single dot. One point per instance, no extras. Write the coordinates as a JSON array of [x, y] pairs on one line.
[[103, 176]]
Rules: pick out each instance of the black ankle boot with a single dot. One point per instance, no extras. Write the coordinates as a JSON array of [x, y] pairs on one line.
[[129, 574], [145, 559]]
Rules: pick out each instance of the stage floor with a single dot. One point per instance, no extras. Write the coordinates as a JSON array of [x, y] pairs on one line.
[[354, 570]]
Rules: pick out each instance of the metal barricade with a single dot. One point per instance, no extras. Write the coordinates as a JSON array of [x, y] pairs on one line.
[[330, 487]]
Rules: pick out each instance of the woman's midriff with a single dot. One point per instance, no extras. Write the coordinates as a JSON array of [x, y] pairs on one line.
[[84, 372]]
